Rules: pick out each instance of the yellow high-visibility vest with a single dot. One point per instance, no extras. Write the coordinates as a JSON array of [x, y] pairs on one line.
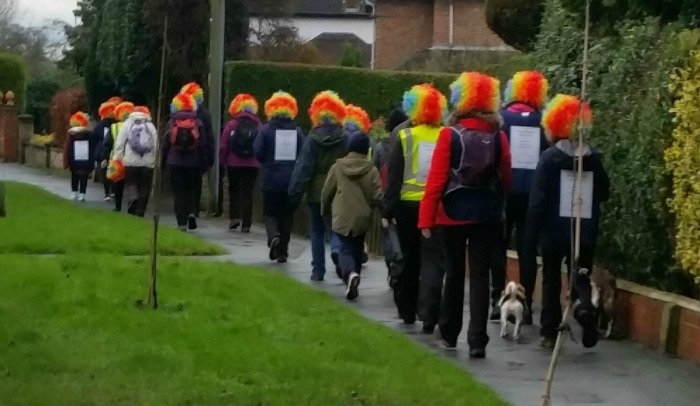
[[116, 127], [418, 144]]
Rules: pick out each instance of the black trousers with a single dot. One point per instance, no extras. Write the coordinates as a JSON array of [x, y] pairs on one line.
[[138, 189], [350, 254], [552, 258], [198, 195], [407, 282], [483, 239], [241, 181], [184, 183], [220, 200], [499, 264], [432, 275], [78, 183], [106, 183], [279, 216], [118, 189]]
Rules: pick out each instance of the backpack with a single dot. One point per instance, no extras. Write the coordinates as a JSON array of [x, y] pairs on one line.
[[242, 138], [185, 134], [473, 191], [141, 140]]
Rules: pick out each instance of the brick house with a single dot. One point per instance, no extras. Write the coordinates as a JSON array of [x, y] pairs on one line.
[[404, 28]]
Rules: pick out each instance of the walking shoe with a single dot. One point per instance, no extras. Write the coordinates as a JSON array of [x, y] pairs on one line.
[[477, 353], [495, 313], [234, 225], [182, 228], [274, 244], [584, 312], [316, 278], [449, 346], [81, 197], [245, 230], [191, 222], [353, 284], [74, 195], [548, 342], [112, 196], [282, 259], [428, 328], [107, 199]]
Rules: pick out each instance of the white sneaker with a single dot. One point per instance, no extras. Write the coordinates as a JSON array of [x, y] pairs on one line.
[[353, 284], [81, 197], [107, 199], [74, 195]]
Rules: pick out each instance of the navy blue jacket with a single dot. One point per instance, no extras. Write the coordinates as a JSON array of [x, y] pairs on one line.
[[544, 215], [276, 174], [513, 116], [100, 134], [83, 166]]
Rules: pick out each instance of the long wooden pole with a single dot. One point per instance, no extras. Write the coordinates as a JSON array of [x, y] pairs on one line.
[[157, 181], [578, 164]]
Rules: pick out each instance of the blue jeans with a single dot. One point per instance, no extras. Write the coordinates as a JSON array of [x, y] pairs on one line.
[[319, 228]]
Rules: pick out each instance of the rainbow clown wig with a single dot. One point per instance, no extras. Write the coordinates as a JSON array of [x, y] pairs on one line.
[[561, 117], [195, 90], [79, 119], [473, 91], [425, 105], [143, 110], [122, 111], [529, 87], [106, 110], [356, 119], [281, 105], [243, 103], [327, 108], [183, 102]]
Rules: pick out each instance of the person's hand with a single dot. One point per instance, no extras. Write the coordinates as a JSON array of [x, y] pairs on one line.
[[426, 233], [103, 164]]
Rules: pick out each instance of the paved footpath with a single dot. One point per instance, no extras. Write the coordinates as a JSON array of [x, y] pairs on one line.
[[613, 373]]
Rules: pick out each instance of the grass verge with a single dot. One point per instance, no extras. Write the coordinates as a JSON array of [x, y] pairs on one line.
[[226, 335], [39, 222]]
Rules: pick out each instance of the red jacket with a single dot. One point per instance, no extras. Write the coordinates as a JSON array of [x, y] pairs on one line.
[[431, 210]]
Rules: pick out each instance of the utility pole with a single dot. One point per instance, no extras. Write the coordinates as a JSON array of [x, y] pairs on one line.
[[216, 78]]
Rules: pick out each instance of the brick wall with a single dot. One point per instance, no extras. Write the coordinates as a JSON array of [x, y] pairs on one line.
[[470, 27], [689, 335], [640, 317], [402, 29], [9, 134]]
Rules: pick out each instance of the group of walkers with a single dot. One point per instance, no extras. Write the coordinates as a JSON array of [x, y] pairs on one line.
[[452, 182]]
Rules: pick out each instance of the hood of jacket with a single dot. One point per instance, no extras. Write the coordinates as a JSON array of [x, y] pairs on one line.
[[79, 132], [327, 135], [569, 148], [492, 118], [246, 115], [137, 115], [184, 115], [283, 123], [354, 165]]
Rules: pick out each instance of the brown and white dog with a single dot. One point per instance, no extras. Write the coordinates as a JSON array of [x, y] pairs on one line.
[[603, 294], [512, 303]]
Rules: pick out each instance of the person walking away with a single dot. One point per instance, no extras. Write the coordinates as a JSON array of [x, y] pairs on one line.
[[350, 194], [185, 154], [101, 133], [136, 146], [325, 144], [525, 96], [277, 147], [78, 154], [408, 164], [195, 90], [237, 152], [121, 113], [552, 207], [465, 194]]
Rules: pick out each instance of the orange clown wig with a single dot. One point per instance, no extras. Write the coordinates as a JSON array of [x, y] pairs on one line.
[[243, 103], [106, 110], [142, 109], [79, 119], [116, 171], [425, 105], [115, 100], [474, 91], [183, 102], [529, 87], [122, 111], [327, 108], [281, 105], [356, 119], [195, 90], [561, 117]]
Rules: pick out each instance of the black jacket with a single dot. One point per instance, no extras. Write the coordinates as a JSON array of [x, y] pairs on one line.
[[101, 134], [205, 117]]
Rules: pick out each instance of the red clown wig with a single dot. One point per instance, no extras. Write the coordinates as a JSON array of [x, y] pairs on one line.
[[243, 102], [183, 102], [281, 105], [79, 119], [122, 111], [529, 87], [474, 91], [106, 110], [561, 117], [356, 119], [425, 105], [327, 108]]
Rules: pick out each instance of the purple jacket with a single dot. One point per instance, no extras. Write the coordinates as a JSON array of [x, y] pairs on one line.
[[190, 159], [228, 158]]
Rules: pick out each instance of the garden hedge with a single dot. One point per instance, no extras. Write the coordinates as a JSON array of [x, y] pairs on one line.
[[13, 76]]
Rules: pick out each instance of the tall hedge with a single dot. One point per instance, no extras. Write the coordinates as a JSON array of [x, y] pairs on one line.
[[13, 76], [376, 91]]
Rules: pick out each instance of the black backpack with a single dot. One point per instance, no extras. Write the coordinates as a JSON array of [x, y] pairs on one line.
[[241, 139]]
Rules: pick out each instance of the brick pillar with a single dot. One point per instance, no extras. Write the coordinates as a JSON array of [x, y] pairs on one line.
[[9, 130], [26, 130]]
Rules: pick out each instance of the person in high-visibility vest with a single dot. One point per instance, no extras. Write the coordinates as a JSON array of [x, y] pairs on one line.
[[408, 164], [100, 133], [121, 113]]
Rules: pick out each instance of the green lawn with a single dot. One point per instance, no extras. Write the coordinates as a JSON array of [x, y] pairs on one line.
[[226, 335], [41, 223]]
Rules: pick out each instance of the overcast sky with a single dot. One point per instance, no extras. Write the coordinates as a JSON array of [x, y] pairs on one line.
[[35, 12]]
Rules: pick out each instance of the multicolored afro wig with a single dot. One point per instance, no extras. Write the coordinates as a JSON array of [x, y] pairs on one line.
[[327, 108], [356, 119], [561, 117], [116, 171], [243, 102], [183, 102], [529, 87], [195, 90], [474, 91], [106, 110], [79, 119], [281, 105], [425, 105], [122, 111], [115, 100], [142, 109]]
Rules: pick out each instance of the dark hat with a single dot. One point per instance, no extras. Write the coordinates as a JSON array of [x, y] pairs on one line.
[[359, 142], [396, 117]]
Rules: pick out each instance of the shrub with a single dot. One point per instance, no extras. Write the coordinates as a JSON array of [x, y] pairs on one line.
[[64, 104], [13, 76]]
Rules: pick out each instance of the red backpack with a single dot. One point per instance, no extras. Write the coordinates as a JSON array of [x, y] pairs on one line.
[[185, 135]]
